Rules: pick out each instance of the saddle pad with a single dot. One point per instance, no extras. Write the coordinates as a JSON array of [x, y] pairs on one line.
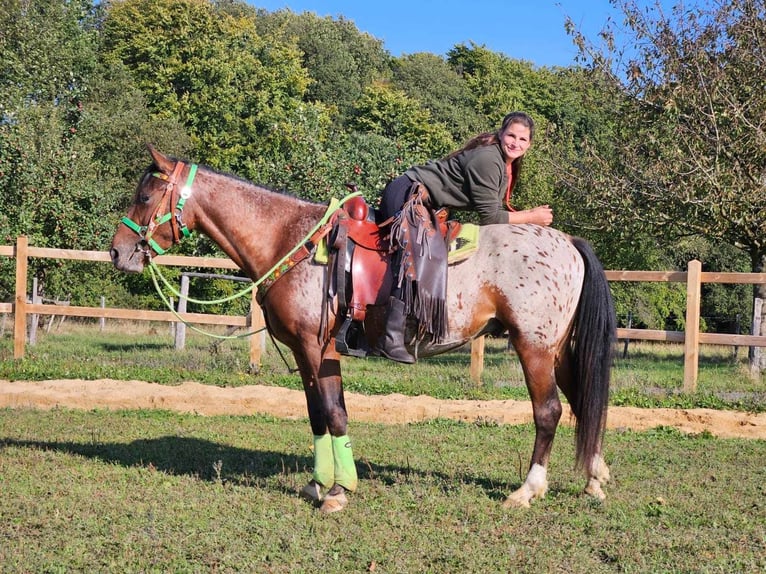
[[464, 245], [461, 248], [322, 253]]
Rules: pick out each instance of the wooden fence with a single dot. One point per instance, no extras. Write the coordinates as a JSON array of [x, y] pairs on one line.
[[21, 308], [692, 338]]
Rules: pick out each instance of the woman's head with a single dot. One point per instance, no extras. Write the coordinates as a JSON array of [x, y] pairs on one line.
[[516, 125], [515, 135], [518, 118]]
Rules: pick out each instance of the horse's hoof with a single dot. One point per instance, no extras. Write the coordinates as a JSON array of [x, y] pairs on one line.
[[515, 501], [333, 503], [593, 488], [599, 470], [312, 492]]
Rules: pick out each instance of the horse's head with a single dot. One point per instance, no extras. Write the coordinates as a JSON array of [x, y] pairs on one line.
[[154, 223]]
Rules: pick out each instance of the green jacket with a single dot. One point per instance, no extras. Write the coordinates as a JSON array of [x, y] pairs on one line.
[[475, 180]]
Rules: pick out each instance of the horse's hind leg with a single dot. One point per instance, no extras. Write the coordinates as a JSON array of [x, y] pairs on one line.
[[538, 365], [596, 469]]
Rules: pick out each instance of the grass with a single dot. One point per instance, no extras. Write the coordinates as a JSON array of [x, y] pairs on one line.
[[650, 376], [153, 491]]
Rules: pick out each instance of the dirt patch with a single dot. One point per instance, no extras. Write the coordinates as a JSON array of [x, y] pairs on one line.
[[193, 397]]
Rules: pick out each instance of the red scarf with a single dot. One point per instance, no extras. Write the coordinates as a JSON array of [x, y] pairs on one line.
[[509, 171]]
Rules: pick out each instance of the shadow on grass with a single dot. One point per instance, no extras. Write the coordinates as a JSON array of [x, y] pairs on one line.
[[211, 461], [180, 456], [130, 347]]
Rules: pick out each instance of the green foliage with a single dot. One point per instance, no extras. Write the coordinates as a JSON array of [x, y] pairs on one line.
[[47, 50], [117, 124], [391, 113], [687, 117], [501, 84], [441, 90], [341, 60], [651, 305], [232, 88], [50, 189], [722, 304]]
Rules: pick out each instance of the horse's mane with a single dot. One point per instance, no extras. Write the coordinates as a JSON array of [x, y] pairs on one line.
[[287, 193]]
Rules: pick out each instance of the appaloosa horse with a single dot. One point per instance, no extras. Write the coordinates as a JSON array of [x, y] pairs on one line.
[[546, 288]]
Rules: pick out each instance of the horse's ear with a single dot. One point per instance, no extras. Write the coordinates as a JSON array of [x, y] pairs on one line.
[[163, 163]]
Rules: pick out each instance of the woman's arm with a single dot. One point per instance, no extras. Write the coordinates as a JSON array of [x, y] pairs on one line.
[[541, 215]]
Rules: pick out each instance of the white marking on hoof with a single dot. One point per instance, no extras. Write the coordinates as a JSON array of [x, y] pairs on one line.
[[599, 474], [334, 503], [535, 486], [593, 488], [599, 470], [312, 492]]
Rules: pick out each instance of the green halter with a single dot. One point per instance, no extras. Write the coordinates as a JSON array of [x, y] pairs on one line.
[[145, 232]]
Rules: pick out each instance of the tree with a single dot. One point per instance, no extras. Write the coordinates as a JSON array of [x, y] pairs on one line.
[[229, 86], [689, 121], [391, 113], [341, 60], [447, 95], [72, 133], [47, 187]]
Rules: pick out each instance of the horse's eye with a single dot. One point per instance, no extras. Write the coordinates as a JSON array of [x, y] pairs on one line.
[[143, 198]]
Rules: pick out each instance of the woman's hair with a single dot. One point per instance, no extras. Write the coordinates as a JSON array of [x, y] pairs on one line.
[[491, 138]]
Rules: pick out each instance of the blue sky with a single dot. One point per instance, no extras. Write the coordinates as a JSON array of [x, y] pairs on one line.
[[531, 30]]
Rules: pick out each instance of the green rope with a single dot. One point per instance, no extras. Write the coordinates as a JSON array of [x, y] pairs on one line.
[[169, 305], [155, 269], [155, 273]]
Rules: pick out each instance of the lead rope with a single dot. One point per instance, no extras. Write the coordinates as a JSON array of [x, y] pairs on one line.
[[156, 274]]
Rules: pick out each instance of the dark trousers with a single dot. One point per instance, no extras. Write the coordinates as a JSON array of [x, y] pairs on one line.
[[393, 197]]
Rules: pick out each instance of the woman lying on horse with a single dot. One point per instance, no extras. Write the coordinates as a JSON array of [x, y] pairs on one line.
[[479, 177]]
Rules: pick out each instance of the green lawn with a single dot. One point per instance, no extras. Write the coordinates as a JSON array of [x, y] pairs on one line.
[[158, 492]]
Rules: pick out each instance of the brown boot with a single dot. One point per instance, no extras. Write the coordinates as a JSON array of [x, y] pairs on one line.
[[392, 346]]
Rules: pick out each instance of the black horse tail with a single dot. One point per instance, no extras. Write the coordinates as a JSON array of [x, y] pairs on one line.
[[592, 341]]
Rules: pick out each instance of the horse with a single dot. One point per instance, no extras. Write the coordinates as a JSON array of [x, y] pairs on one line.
[[545, 288]]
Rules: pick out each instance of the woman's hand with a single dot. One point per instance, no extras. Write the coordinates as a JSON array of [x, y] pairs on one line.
[[540, 215]]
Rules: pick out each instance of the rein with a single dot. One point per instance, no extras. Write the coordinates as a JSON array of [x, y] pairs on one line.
[[301, 251]]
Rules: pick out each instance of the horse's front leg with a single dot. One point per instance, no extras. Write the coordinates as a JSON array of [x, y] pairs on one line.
[[334, 468], [546, 408]]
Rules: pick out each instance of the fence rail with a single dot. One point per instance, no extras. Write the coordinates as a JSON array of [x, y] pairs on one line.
[[692, 338], [21, 308]]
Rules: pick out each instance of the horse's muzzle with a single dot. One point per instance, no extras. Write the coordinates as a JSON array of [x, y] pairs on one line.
[[128, 261]]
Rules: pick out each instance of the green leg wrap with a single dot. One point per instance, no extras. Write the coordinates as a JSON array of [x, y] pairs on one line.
[[324, 467], [345, 469]]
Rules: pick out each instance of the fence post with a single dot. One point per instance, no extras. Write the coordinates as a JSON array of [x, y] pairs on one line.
[[180, 325], [20, 307], [477, 359], [627, 340], [258, 340], [102, 320], [34, 319], [692, 329], [756, 352]]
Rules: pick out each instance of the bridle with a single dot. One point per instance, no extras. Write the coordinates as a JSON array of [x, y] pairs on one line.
[[164, 212]]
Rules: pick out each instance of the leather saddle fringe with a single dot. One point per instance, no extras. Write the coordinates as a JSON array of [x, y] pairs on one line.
[[422, 272]]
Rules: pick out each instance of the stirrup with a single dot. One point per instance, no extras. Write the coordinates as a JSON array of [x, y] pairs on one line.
[[351, 332]]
